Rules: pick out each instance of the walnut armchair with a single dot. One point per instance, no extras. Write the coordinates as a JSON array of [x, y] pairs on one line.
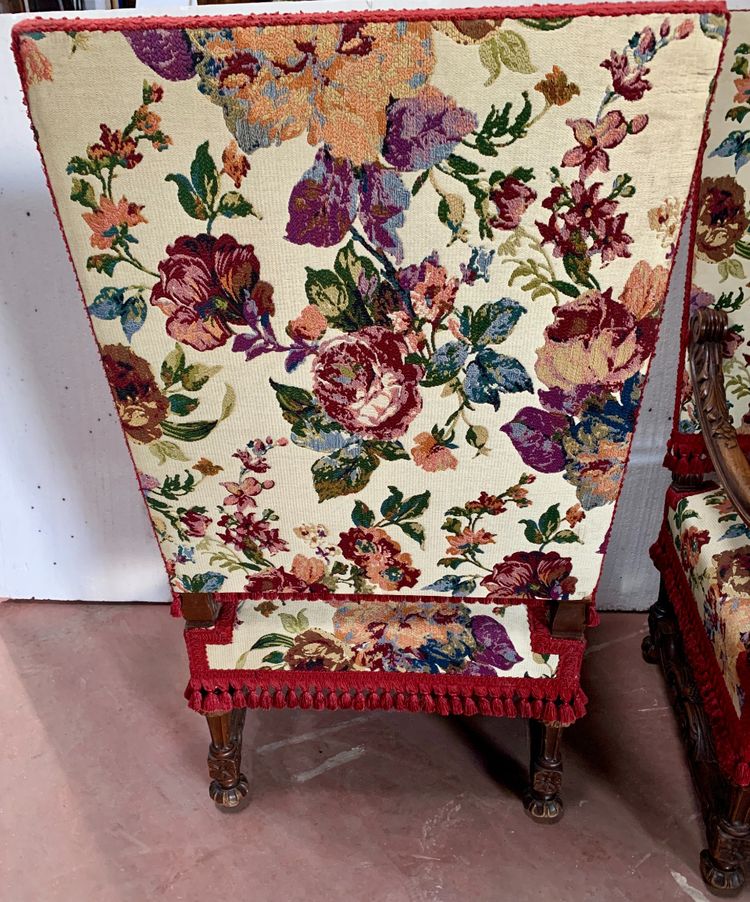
[[376, 295]]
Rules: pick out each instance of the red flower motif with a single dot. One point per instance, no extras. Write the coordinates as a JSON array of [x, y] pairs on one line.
[[594, 140], [691, 542], [195, 523], [594, 340], [279, 581], [114, 150], [511, 198], [363, 383], [245, 533], [531, 574], [628, 82], [379, 556], [206, 284]]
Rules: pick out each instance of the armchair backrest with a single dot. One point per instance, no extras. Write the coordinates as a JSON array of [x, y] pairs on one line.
[[376, 295]]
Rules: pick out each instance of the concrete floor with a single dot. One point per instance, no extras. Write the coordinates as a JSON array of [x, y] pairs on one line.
[[103, 791]]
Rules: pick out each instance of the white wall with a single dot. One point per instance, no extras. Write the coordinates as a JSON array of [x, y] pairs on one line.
[[72, 523]]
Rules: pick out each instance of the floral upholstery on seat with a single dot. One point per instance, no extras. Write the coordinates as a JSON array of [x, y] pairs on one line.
[[714, 550], [376, 301], [720, 257]]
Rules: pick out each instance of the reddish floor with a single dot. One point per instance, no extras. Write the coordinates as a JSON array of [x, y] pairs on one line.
[[103, 795]]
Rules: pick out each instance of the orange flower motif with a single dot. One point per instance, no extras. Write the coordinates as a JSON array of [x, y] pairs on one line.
[[645, 289], [742, 86], [236, 164], [430, 455], [106, 222], [206, 467], [309, 325], [331, 82], [309, 569], [458, 544], [146, 120], [556, 89], [38, 67], [574, 515]]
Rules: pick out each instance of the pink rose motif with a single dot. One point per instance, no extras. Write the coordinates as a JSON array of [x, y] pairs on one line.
[[195, 523], [433, 295], [594, 141], [594, 341], [363, 383], [531, 574], [511, 198], [205, 285], [627, 81], [242, 494]]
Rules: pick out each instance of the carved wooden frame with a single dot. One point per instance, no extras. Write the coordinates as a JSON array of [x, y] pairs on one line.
[[708, 332]]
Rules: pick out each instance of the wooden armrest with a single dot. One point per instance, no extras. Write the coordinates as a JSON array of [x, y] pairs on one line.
[[708, 328]]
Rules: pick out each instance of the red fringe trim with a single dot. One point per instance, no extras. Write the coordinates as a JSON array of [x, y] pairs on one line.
[[129, 23], [731, 734], [459, 701]]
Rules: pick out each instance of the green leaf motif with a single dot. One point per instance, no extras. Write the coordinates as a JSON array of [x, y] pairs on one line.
[[492, 323], [204, 176], [419, 182], [445, 363], [173, 366], [294, 624], [103, 263], [82, 192], [188, 199], [565, 536], [513, 52], [312, 428], [274, 657], [270, 640], [233, 204], [362, 515], [550, 520], [182, 405], [414, 530], [195, 376], [164, 450], [344, 472], [531, 532]]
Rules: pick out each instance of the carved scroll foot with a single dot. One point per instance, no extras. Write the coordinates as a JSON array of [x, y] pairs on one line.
[[721, 881], [542, 800], [229, 787]]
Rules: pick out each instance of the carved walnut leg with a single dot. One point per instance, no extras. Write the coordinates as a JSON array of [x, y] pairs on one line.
[[728, 840], [660, 627], [229, 787], [542, 799]]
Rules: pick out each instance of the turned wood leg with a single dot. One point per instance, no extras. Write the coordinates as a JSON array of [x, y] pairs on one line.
[[542, 799], [229, 787], [728, 839], [660, 625]]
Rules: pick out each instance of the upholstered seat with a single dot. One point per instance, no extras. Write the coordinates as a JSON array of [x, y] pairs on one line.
[[449, 658], [376, 295], [713, 547]]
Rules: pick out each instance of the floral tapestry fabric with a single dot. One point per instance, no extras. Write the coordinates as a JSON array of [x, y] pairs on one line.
[[713, 545], [721, 246], [444, 637], [376, 300]]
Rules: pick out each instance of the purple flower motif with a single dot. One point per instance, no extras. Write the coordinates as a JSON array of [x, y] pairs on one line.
[[495, 651], [165, 50], [423, 130], [382, 201], [534, 434], [323, 204]]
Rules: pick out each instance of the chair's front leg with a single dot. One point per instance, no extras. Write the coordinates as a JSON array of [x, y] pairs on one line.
[[229, 786], [542, 799]]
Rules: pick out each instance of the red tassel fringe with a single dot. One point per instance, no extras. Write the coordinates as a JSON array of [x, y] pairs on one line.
[[454, 701], [731, 735]]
